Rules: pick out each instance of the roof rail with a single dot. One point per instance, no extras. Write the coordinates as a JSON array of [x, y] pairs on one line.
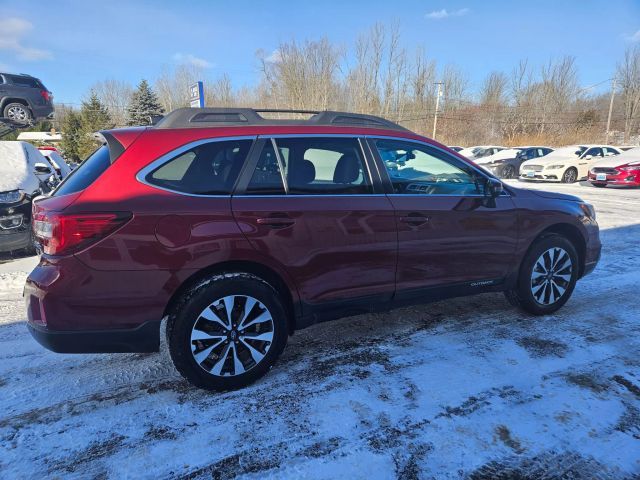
[[225, 117]]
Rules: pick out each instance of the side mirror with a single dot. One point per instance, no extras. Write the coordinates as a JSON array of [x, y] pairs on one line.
[[588, 157], [42, 169], [493, 188]]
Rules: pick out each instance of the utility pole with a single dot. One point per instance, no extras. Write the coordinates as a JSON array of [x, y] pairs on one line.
[[613, 92], [435, 115]]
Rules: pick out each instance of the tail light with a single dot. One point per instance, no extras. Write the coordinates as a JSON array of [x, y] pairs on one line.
[[48, 96], [61, 234]]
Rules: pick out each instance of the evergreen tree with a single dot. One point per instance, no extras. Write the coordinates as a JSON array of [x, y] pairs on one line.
[[94, 117], [71, 135], [143, 105]]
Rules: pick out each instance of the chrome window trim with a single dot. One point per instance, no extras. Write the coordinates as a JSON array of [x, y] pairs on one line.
[[435, 147], [167, 157], [356, 137]]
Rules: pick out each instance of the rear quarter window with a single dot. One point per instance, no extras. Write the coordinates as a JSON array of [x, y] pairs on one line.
[[86, 173], [210, 168]]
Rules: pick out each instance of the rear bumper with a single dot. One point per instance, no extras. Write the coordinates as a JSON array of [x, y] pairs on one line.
[[42, 111], [145, 338]]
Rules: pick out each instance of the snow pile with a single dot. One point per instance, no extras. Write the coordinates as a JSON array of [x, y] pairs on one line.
[[464, 387], [16, 166]]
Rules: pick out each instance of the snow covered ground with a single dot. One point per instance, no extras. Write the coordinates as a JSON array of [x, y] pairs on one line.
[[460, 388]]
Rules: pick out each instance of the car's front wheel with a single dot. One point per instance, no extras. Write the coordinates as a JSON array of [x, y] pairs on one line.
[[570, 175], [18, 113], [227, 332], [509, 171], [547, 276]]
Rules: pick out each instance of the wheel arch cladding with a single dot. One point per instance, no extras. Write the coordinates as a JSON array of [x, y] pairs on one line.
[[259, 270], [21, 101]]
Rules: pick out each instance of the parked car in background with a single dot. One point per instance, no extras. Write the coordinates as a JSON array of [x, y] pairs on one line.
[[473, 153], [240, 236], [456, 148], [567, 164], [24, 99], [24, 174], [621, 170], [56, 160], [506, 163]]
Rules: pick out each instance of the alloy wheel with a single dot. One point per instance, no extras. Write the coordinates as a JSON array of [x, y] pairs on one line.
[[570, 176], [232, 335], [551, 276], [18, 114]]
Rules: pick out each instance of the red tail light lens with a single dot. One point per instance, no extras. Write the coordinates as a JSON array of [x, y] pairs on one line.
[[62, 234], [46, 95]]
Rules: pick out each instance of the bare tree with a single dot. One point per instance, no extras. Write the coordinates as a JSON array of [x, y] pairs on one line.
[[115, 95], [628, 75]]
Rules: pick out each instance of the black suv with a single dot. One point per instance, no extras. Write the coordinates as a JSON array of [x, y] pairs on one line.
[[24, 98]]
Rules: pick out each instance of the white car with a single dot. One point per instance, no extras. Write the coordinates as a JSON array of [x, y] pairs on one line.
[[58, 163], [479, 151], [566, 164]]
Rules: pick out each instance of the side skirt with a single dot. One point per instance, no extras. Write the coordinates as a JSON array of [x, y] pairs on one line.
[[317, 313]]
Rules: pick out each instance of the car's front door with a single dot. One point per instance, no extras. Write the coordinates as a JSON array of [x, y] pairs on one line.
[[591, 155], [310, 204], [449, 233]]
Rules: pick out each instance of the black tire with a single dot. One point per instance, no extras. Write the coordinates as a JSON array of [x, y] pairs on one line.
[[186, 313], [523, 296], [570, 175], [17, 112], [509, 171]]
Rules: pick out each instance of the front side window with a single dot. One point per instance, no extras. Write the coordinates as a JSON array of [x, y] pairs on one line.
[[208, 169], [311, 166], [417, 169], [594, 152]]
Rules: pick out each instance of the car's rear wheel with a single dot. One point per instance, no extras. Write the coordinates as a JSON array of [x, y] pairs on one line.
[[227, 332], [570, 175], [547, 276], [17, 112]]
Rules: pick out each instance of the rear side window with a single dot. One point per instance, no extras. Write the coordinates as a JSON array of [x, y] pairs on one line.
[[85, 174], [312, 166], [23, 81], [207, 169]]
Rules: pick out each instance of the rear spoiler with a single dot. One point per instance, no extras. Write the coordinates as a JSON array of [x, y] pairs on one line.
[[115, 147]]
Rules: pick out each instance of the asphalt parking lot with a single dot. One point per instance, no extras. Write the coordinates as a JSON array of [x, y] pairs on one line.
[[459, 388]]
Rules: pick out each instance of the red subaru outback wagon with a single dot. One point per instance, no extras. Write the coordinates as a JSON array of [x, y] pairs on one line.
[[239, 229]]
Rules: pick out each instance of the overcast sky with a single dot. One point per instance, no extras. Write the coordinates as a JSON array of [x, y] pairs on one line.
[[70, 44]]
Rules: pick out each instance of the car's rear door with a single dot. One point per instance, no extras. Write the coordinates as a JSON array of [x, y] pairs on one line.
[[449, 233], [312, 204]]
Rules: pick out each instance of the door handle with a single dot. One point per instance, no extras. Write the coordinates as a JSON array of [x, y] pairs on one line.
[[276, 221], [415, 219]]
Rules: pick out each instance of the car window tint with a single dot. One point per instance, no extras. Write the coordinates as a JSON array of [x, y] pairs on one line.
[[86, 173], [24, 81], [324, 166], [417, 169], [594, 152], [208, 169], [267, 177]]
